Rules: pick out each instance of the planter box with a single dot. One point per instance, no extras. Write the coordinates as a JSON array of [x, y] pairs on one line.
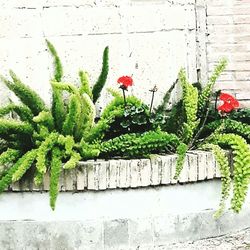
[[102, 175], [124, 216]]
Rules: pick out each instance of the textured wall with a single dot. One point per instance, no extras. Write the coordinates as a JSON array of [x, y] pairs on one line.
[[150, 39], [228, 26]]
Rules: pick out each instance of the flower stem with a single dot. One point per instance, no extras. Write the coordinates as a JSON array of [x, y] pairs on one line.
[[124, 97], [216, 100], [152, 101]]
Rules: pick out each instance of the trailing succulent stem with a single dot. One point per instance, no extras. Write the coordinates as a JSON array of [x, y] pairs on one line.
[[241, 165], [224, 167]]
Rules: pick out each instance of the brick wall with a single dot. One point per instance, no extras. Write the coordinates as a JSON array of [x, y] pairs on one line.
[[150, 39], [228, 30]]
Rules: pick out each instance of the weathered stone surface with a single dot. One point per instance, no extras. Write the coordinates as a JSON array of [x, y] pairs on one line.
[[116, 234]]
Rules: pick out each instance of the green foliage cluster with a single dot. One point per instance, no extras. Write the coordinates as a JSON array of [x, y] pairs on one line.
[[229, 126], [222, 160], [241, 171], [134, 144], [44, 138]]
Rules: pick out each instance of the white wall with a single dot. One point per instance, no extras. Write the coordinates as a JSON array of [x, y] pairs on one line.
[[150, 39], [228, 24]]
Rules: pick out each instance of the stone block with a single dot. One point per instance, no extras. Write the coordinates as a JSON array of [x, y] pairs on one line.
[[156, 169], [173, 169], [210, 165], [116, 234], [135, 180], [81, 177], [166, 169], [140, 232], [145, 172], [202, 165], [102, 177], [184, 175], [193, 166], [70, 179], [123, 174], [113, 173], [92, 173]]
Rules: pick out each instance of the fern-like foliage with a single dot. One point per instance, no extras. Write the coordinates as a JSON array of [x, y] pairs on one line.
[[72, 116], [181, 155], [25, 165], [230, 126], [7, 158], [6, 179], [58, 74], [22, 111], [85, 85], [45, 147], [14, 127], [208, 89], [56, 166], [43, 135], [58, 109], [190, 104], [27, 96], [97, 88], [139, 145]]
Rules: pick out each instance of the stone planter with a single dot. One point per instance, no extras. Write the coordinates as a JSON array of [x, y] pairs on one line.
[[113, 174], [125, 215]]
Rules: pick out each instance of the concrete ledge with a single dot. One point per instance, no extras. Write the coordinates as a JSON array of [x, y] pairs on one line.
[[143, 218], [112, 174]]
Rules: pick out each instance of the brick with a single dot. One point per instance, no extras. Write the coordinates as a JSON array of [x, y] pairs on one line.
[[140, 232], [210, 165], [166, 169], [112, 173], [193, 166], [145, 172], [184, 175], [135, 180], [80, 21], [70, 179], [46, 181], [202, 165], [102, 177], [156, 168], [80, 176], [20, 23], [92, 171], [116, 233]]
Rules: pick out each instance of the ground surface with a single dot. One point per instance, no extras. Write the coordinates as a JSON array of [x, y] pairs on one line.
[[237, 241]]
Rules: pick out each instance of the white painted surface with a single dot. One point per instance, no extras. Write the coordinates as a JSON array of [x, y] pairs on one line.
[[112, 204], [150, 40]]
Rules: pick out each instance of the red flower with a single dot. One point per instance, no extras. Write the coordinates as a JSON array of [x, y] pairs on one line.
[[230, 103], [125, 81]]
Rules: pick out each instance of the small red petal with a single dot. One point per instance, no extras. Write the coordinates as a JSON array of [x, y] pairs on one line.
[[126, 81]]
